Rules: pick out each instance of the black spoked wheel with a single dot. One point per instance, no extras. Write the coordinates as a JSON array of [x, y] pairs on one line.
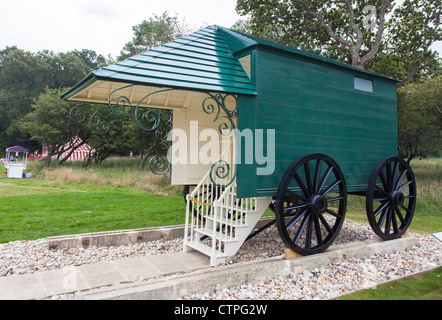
[[310, 204], [391, 198]]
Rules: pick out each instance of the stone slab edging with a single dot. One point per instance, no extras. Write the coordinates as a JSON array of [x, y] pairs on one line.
[[177, 286], [123, 237]]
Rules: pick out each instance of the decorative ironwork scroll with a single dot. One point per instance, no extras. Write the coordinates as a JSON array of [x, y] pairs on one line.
[[77, 115], [149, 119], [217, 104], [158, 165], [220, 105], [222, 171], [97, 125]]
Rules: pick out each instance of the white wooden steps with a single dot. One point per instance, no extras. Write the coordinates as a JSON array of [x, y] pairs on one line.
[[217, 223]]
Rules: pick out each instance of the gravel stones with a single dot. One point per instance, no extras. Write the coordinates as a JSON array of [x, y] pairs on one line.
[[338, 278], [26, 257], [325, 282]]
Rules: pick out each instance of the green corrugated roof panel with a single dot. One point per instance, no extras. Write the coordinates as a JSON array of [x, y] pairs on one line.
[[204, 60], [199, 61]]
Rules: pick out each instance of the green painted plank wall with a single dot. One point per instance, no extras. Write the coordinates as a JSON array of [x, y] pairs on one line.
[[314, 108]]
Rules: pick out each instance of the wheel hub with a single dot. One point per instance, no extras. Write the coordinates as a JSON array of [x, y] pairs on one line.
[[318, 204], [397, 198]]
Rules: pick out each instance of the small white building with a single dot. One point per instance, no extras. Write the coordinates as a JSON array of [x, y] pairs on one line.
[[16, 161]]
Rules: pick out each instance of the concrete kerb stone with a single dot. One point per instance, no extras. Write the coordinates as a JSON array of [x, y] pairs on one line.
[[115, 238], [122, 237], [208, 280]]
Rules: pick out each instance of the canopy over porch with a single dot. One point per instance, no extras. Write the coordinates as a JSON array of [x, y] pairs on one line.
[[198, 75], [202, 61]]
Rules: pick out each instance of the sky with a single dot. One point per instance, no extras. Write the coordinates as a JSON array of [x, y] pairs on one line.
[[100, 25]]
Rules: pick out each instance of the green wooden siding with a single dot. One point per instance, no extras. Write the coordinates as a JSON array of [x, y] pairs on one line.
[[314, 108]]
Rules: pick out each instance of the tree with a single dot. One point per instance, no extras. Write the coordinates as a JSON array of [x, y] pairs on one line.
[[413, 28], [50, 123], [23, 77], [420, 119], [355, 32], [154, 32], [92, 60], [336, 28]]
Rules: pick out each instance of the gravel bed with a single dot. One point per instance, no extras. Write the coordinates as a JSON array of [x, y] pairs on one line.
[[335, 279], [27, 257]]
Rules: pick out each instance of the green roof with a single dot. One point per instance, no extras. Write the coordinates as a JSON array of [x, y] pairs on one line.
[[204, 60], [200, 61]]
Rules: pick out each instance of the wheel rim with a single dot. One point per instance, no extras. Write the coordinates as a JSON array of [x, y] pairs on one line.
[[310, 204], [391, 198]]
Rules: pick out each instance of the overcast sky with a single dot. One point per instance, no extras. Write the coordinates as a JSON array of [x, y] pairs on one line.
[[100, 25]]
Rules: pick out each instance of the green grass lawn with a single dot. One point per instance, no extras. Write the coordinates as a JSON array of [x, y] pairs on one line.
[[33, 208]]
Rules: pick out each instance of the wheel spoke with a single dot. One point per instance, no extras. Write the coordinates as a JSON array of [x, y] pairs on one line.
[[382, 218], [301, 229], [394, 176], [381, 190], [404, 185], [330, 188], [332, 213], [296, 195], [388, 221], [301, 185], [308, 238], [389, 180], [394, 221], [295, 219], [317, 176], [378, 210], [334, 199], [384, 183], [399, 214], [401, 177], [324, 179], [406, 209], [318, 231], [307, 178], [296, 207], [325, 223]]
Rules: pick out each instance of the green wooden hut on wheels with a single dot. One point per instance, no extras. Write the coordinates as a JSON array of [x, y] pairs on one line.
[[323, 129]]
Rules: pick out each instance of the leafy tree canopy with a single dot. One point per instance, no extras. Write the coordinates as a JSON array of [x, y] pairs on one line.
[[374, 34], [154, 32]]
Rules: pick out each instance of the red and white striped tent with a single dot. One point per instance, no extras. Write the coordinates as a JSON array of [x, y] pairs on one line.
[[80, 153]]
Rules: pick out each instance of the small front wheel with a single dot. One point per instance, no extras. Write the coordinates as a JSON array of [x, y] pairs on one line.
[[391, 198]]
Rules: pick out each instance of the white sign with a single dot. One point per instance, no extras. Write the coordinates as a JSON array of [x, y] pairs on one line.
[[438, 236]]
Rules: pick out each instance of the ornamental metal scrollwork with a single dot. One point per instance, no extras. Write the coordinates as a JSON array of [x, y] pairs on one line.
[[148, 120], [222, 170], [97, 125], [77, 115], [121, 102], [157, 165], [215, 104]]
